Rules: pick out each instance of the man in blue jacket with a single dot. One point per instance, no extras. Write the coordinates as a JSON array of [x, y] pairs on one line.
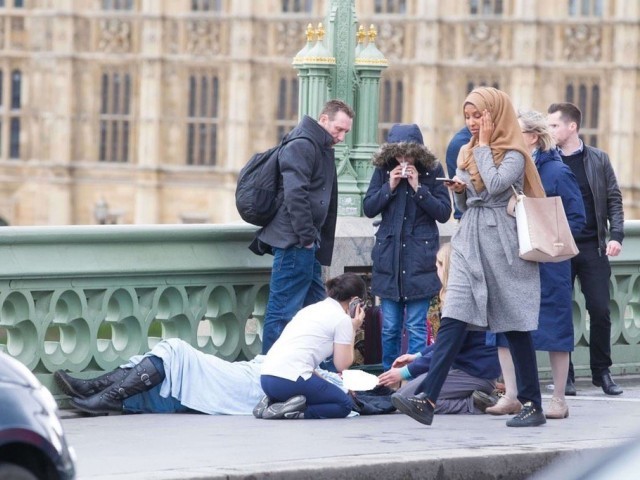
[[461, 138], [302, 233]]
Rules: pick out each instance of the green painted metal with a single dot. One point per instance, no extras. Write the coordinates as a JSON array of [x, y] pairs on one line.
[[86, 298], [335, 67]]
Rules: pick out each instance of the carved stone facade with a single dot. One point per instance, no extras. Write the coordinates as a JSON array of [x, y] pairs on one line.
[[154, 110]]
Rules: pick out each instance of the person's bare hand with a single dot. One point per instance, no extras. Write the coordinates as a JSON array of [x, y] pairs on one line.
[[456, 185], [390, 377], [394, 177], [412, 177], [613, 248], [486, 129], [358, 320], [403, 360]]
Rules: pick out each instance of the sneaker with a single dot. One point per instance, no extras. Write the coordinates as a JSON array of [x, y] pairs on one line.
[[262, 405], [292, 408], [557, 409], [505, 406], [529, 416], [417, 407], [482, 401]]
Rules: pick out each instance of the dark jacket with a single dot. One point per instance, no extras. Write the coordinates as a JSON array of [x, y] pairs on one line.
[[475, 358], [462, 137], [309, 182], [606, 195], [555, 322], [404, 254]]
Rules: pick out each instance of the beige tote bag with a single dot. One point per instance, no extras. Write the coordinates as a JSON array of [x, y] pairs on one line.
[[543, 230]]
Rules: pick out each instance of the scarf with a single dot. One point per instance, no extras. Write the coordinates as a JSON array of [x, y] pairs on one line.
[[506, 136]]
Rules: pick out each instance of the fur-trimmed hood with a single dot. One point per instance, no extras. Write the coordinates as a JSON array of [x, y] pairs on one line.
[[404, 140]]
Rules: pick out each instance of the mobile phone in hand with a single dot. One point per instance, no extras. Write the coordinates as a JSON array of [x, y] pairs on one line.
[[353, 306], [445, 180]]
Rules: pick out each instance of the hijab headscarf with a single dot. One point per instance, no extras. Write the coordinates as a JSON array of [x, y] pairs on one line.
[[506, 136]]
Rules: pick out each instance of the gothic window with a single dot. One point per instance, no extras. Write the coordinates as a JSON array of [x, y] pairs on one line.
[[10, 96], [206, 5], [297, 6], [390, 6], [586, 8], [203, 118], [482, 82], [585, 93], [287, 105], [115, 116], [485, 7], [391, 101], [117, 4]]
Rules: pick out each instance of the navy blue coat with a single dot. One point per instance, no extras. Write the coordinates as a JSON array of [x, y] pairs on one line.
[[475, 358], [404, 254], [555, 324]]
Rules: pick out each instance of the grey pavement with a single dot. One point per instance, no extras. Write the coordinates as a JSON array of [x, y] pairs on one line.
[[190, 446]]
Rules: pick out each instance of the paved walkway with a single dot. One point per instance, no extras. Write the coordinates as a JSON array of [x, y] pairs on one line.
[[160, 447]]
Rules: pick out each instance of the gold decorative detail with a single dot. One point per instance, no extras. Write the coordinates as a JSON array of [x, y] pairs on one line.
[[320, 32], [371, 61], [361, 35], [311, 33], [330, 60], [372, 33]]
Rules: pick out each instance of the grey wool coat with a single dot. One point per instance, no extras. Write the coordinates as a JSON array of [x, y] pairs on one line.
[[490, 286]]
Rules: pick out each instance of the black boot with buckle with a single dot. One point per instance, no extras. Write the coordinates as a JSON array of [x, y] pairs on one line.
[[144, 376], [79, 388]]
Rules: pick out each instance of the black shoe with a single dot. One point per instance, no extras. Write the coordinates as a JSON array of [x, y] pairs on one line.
[[262, 405], [482, 401], [570, 389], [77, 387], [608, 385], [292, 408], [144, 376], [529, 416], [417, 407]]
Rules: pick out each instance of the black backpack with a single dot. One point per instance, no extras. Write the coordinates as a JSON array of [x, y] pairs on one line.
[[258, 196]]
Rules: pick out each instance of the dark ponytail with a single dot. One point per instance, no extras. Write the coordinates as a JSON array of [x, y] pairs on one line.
[[345, 286]]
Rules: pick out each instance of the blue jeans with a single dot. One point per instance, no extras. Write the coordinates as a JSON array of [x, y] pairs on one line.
[[296, 281], [324, 399], [393, 314], [151, 402]]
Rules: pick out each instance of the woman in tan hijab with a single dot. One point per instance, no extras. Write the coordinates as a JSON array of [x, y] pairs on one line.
[[490, 287]]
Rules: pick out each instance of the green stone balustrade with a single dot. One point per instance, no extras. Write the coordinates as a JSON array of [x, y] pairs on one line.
[[86, 298]]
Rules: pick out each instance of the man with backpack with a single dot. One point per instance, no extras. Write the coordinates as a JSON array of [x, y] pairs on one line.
[[301, 234]]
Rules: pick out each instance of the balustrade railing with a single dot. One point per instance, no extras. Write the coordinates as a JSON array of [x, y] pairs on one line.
[[86, 298]]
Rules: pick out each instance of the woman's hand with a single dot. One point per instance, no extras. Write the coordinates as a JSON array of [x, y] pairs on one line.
[[395, 176], [486, 129], [456, 185], [412, 177], [358, 319], [390, 377], [403, 360]]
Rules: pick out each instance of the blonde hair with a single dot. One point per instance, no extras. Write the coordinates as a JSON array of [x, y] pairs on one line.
[[536, 122], [443, 257]]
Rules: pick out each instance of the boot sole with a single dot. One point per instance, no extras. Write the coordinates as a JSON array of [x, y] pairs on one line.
[[92, 412], [66, 388]]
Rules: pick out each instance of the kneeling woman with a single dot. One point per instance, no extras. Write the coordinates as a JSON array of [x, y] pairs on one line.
[[314, 334]]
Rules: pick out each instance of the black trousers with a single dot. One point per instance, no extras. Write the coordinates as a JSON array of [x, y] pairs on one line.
[[450, 339], [592, 268]]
